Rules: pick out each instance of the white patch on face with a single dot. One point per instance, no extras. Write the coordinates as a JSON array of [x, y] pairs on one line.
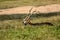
[[24, 21]]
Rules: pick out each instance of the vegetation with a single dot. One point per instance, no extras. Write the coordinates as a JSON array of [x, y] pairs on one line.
[[12, 28], [15, 3]]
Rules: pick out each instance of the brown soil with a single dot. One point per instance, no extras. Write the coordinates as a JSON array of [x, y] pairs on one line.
[[25, 9]]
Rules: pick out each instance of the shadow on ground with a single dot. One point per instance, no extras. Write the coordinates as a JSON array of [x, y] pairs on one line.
[[43, 23], [21, 16]]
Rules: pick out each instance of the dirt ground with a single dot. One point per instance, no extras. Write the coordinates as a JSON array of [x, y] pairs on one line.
[[25, 9]]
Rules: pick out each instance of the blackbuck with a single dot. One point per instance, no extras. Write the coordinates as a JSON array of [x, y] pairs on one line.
[[26, 20]]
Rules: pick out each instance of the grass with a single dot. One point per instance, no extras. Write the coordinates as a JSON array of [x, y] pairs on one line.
[[14, 29], [15, 3]]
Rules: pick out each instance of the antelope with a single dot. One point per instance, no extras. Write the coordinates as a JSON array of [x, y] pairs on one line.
[[26, 20]]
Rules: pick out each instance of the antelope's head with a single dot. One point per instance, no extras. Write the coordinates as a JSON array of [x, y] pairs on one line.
[[26, 21]]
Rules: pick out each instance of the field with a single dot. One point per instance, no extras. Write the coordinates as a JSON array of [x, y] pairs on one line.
[[15, 3], [12, 27]]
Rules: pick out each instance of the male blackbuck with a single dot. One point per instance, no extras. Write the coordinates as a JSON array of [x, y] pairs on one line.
[[26, 20]]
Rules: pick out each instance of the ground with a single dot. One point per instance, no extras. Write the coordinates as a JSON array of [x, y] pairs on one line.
[[15, 3], [25, 9], [12, 27]]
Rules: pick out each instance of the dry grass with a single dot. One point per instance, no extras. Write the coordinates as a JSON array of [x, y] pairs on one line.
[[15, 30], [14, 3]]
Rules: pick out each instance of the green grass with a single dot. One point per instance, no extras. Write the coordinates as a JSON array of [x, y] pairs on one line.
[[14, 29], [15, 3]]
